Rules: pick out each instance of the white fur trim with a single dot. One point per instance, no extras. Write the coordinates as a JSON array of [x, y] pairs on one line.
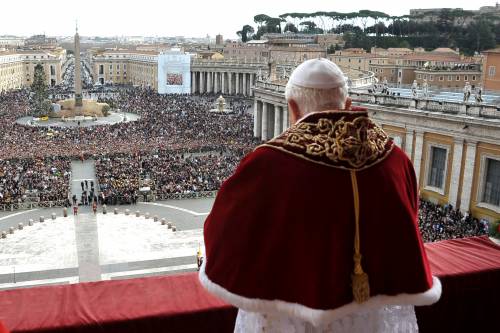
[[315, 316]]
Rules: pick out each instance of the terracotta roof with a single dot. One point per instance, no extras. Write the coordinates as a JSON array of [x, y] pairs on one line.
[[399, 49], [497, 50], [444, 50], [431, 57]]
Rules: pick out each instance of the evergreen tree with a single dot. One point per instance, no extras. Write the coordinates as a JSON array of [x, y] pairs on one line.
[[40, 103]]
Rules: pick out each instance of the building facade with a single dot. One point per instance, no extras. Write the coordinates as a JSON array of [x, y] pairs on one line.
[[400, 66], [11, 71], [491, 70], [450, 77], [17, 68], [139, 68]]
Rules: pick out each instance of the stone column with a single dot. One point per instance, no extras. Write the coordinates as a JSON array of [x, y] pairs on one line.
[[285, 118], [230, 81], [237, 90], [252, 83], [470, 158], [257, 118], [202, 82], [419, 144], [277, 120], [193, 82], [245, 93], [209, 82], [456, 165], [409, 142], [222, 82], [217, 88], [265, 134]]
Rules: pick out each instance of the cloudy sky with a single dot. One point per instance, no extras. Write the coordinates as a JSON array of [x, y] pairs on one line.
[[193, 18]]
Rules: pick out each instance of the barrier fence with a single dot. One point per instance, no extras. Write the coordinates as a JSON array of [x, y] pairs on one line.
[[32, 205], [147, 198]]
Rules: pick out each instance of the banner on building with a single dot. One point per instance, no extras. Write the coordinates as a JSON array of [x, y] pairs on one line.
[[174, 72]]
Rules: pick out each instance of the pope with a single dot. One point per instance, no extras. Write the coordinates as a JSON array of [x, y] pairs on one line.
[[317, 228]]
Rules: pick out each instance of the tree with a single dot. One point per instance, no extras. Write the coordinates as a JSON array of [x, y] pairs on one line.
[[480, 36], [40, 103], [290, 27], [245, 32], [311, 28]]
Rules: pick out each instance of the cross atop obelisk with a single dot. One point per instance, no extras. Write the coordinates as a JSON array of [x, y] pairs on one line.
[[78, 71]]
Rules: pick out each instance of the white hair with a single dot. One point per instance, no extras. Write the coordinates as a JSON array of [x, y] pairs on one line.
[[313, 99]]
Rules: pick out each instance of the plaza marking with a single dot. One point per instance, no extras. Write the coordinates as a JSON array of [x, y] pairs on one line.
[[123, 274], [18, 213], [176, 208]]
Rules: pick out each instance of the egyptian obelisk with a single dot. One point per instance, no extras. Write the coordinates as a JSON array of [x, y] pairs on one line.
[[78, 74]]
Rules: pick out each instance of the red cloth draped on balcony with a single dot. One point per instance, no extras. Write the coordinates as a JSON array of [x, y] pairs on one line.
[[3, 329], [468, 268], [280, 236], [177, 304]]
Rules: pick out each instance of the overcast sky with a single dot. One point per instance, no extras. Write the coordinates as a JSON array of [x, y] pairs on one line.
[[194, 18]]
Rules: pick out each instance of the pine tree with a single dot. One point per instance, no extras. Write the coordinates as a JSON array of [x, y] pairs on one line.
[[40, 103]]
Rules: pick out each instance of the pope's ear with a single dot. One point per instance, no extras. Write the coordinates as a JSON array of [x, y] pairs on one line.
[[294, 111], [348, 103]]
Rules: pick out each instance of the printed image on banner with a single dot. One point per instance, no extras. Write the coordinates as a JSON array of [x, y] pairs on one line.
[[174, 79]]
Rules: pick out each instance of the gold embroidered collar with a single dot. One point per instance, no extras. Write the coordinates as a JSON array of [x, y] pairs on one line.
[[342, 139]]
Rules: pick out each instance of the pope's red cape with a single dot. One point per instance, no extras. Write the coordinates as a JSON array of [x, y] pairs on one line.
[[282, 226]]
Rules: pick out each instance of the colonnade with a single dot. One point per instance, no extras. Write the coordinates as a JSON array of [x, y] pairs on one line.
[[225, 82], [269, 119]]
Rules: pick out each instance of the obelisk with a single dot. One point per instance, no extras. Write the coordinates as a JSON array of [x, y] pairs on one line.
[[78, 75]]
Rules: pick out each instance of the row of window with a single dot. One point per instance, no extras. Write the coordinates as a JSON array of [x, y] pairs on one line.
[[381, 70], [117, 66], [435, 177], [441, 77]]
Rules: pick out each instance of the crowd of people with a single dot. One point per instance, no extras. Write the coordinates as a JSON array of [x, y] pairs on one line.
[[176, 122], [438, 222], [34, 180], [123, 178], [167, 123]]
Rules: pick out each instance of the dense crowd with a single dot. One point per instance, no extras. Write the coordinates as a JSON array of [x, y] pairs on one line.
[[122, 178], [176, 122], [445, 222], [34, 180], [170, 124]]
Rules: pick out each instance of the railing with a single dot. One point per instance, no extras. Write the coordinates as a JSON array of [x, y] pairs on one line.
[[469, 109], [228, 63], [31, 205], [150, 197], [367, 80], [271, 86], [180, 196]]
